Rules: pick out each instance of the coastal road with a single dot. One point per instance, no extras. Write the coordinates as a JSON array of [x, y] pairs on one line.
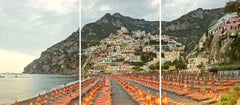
[[120, 96]]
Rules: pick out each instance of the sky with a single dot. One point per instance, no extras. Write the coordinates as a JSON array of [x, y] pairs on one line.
[[29, 27], [92, 10], [173, 9]]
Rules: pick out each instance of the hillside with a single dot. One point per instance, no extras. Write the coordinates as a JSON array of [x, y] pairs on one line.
[[61, 58], [189, 28], [218, 45], [92, 33]]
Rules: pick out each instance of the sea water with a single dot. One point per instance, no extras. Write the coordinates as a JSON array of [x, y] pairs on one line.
[[24, 86]]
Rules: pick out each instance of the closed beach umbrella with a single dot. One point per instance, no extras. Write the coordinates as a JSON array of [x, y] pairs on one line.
[[238, 74], [46, 97], [31, 103], [185, 87], [209, 76], [233, 76], [56, 95], [52, 96], [64, 90], [16, 103], [164, 99], [157, 99], [148, 99], [38, 102]]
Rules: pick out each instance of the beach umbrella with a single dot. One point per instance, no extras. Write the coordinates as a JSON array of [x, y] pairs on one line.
[[209, 75], [221, 82], [233, 76], [56, 93], [229, 73], [64, 90], [46, 97], [185, 88], [157, 99], [38, 102], [60, 93], [31, 102], [16, 103], [52, 96], [238, 74], [148, 99], [140, 94], [85, 100], [164, 99]]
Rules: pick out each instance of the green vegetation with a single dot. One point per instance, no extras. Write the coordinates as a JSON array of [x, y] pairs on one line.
[[166, 65], [200, 65], [152, 42], [137, 68], [94, 32], [146, 56], [231, 97], [234, 53], [135, 63], [196, 27], [231, 7], [119, 60], [234, 66], [154, 66], [179, 64], [83, 59]]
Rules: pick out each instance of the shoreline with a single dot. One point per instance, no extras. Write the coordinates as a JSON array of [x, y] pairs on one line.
[[42, 94]]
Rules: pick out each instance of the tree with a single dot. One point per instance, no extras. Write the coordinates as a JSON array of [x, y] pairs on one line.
[[154, 66], [234, 53], [166, 65], [231, 7], [200, 65], [179, 64], [136, 68], [146, 57]]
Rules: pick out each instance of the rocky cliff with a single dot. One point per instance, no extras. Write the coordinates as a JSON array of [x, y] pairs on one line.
[[219, 48], [189, 28], [61, 58], [92, 33]]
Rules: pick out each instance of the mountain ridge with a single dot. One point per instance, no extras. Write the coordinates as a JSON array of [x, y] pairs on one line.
[[93, 32], [189, 28]]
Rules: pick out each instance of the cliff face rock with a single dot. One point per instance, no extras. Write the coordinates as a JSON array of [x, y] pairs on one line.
[[219, 48], [61, 58], [189, 28], [92, 33]]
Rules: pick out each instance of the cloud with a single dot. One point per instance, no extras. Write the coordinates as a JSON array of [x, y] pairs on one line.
[[104, 8], [12, 61], [31, 26], [92, 10], [59, 7], [173, 9]]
